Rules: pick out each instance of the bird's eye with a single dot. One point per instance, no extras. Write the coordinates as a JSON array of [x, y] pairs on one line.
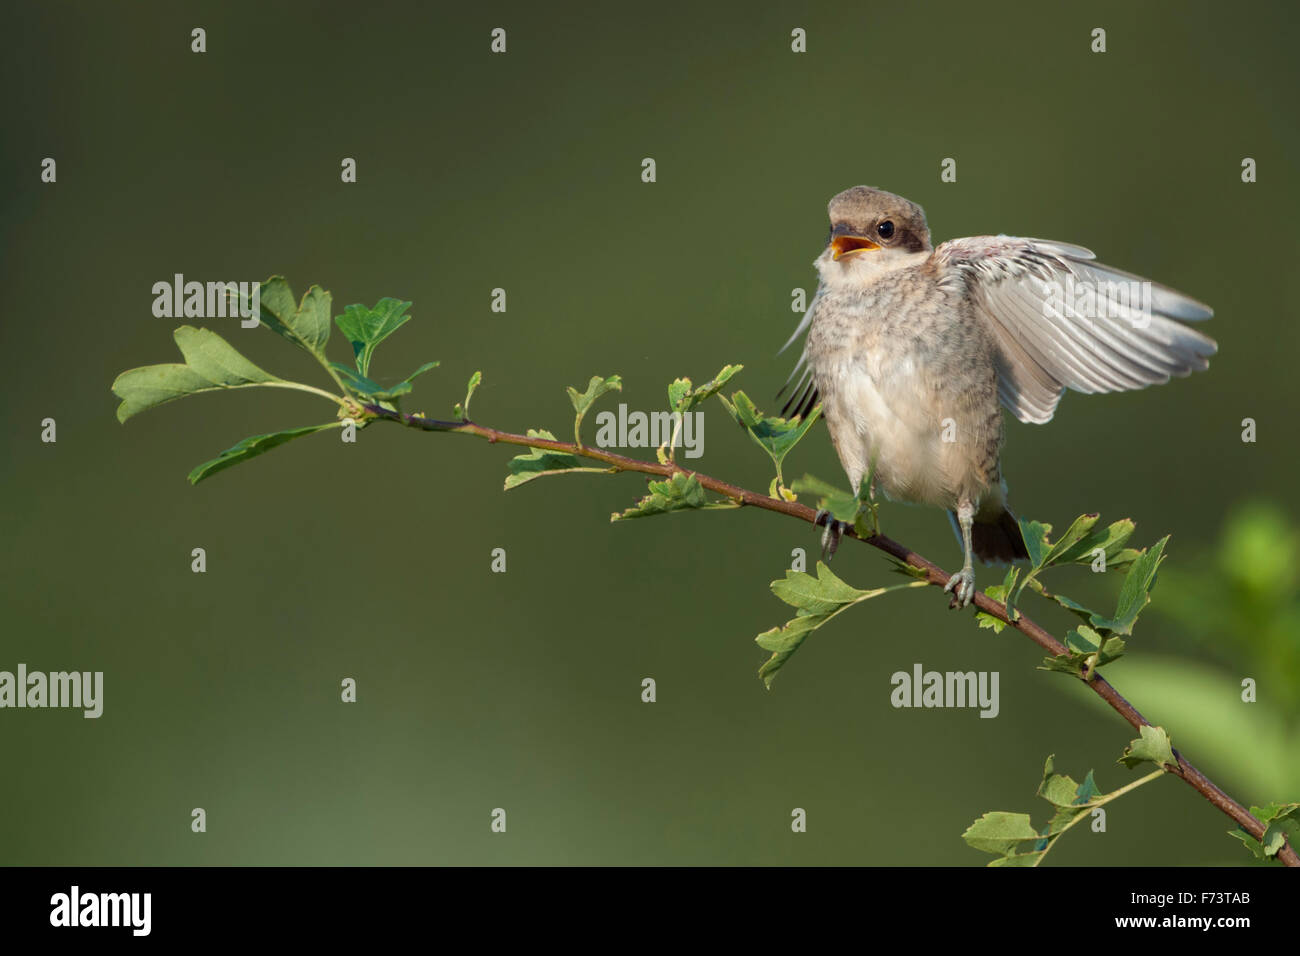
[[885, 229]]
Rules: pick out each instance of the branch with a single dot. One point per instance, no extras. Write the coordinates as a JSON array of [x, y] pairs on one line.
[[933, 574]]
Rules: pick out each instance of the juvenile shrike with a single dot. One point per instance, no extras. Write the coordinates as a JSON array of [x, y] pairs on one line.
[[911, 349]]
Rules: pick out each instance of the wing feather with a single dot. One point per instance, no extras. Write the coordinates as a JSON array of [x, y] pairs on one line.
[[1062, 320]]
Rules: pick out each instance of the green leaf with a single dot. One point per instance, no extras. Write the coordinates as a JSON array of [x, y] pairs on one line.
[[1153, 745], [817, 599], [998, 592], [356, 381], [1281, 824], [782, 642], [1088, 651], [541, 462], [842, 505], [306, 325], [404, 386], [366, 328], [1012, 837], [211, 364], [818, 595], [251, 448], [1110, 540], [1283, 821], [1035, 534], [373, 390], [682, 398], [681, 492], [597, 387], [462, 411], [1135, 594], [582, 401], [1073, 535], [773, 434], [1003, 834]]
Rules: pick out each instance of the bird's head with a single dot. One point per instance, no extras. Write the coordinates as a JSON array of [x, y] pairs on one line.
[[872, 232]]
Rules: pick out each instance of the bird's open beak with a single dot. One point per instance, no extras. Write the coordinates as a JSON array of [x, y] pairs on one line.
[[842, 246]]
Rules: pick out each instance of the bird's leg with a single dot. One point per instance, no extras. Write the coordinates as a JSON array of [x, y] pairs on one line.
[[962, 584], [831, 536]]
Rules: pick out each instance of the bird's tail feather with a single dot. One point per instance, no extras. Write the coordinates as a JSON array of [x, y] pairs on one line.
[[996, 539]]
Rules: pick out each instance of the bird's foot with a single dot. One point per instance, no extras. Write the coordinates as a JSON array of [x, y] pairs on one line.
[[831, 536], [962, 586]]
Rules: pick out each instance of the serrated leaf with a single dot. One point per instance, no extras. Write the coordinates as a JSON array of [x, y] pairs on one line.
[[1153, 745], [540, 462], [251, 448], [782, 642], [998, 592], [1281, 824], [817, 595], [1003, 833], [682, 397], [1035, 534], [211, 364], [681, 492], [1088, 651], [595, 388], [1077, 531], [1110, 539], [775, 435], [1134, 594], [1012, 835], [306, 324], [366, 327], [817, 600], [582, 401]]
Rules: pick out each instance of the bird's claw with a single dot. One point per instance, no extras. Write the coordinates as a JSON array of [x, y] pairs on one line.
[[962, 586], [831, 536]]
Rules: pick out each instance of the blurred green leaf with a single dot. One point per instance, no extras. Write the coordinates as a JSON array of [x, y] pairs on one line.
[[251, 448], [1241, 600], [211, 363], [366, 327], [1251, 744]]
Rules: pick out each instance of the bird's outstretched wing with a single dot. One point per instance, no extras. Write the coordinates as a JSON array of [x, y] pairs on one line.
[[1062, 320]]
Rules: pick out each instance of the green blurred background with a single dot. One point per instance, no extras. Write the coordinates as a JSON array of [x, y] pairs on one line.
[[522, 690]]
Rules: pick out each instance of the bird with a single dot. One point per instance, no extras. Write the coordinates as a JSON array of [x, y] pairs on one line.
[[913, 350]]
